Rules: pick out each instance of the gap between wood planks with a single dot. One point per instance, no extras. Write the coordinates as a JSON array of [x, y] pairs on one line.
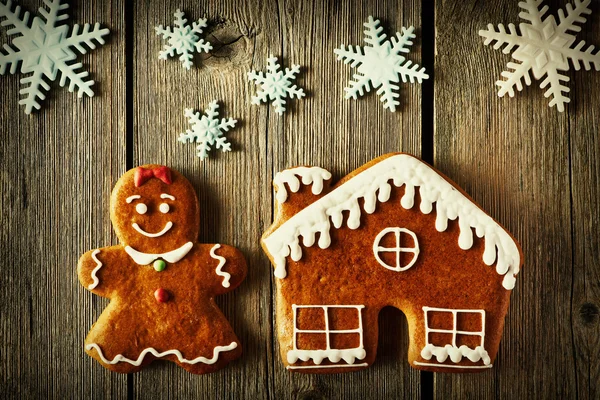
[[427, 120], [129, 114]]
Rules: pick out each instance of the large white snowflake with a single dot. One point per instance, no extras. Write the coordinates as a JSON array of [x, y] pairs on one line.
[[544, 47], [381, 65], [183, 39], [207, 130], [44, 49], [276, 85]]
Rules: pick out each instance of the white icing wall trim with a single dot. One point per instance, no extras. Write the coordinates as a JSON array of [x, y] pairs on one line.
[[372, 186], [327, 366], [120, 358], [456, 354], [334, 355], [453, 366]]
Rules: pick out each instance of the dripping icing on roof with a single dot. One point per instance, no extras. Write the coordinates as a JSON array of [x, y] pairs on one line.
[[372, 186], [314, 175]]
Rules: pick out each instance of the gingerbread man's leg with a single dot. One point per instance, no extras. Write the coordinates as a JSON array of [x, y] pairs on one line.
[[116, 345], [212, 348]]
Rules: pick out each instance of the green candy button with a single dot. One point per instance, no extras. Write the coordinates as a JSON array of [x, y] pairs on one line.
[[160, 265]]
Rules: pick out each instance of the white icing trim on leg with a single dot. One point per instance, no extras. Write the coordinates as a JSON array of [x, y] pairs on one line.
[[120, 358], [98, 266], [226, 276]]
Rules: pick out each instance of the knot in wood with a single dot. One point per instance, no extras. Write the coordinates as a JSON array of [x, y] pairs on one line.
[[589, 314]]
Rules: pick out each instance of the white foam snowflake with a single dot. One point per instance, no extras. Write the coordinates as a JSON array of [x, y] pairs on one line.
[[544, 47], [381, 65], [183, 39], [44, 49], [276, 85], [207, 130]]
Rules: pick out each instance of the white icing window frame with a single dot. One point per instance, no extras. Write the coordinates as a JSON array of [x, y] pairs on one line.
[[327, 331], [398, 249], [454, 331], [334, 355], [452, 351]]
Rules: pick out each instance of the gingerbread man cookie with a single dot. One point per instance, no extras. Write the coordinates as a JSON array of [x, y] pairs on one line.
[[395, 232], [160, 282]]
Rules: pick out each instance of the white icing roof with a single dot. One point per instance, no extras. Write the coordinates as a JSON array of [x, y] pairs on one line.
[[372, 186]]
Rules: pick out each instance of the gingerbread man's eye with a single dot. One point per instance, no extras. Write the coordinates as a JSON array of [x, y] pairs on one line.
[[164, 208], [141, 208]]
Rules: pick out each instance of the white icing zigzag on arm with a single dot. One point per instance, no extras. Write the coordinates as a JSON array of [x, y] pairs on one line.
[[371, 185], [98, 266], [226, 276], [314, 175], [120, 358]]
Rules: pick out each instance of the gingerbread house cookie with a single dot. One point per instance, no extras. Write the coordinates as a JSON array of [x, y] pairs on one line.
[[160, 282], [395, 232]]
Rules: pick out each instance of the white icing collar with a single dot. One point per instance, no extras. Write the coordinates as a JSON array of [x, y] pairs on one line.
[[172, 256]]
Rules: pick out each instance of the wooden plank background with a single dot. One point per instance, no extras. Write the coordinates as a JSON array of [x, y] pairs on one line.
[[537, 171], [58, 168]]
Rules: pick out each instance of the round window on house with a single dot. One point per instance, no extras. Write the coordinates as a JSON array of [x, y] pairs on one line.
[[396, 249]]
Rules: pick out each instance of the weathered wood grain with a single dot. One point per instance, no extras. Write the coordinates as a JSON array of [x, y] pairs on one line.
[[235, 188], [232, 187], [584, 125], [58, 167], [513, 155], [533, 169], [340, 135]]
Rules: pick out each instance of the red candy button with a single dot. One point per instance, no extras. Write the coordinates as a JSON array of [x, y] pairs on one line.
[[161, 295]]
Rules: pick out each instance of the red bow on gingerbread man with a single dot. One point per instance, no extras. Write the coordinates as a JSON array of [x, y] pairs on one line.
[[143, 174]]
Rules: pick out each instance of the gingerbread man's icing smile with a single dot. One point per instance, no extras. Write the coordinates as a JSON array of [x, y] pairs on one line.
[[142, 208], [160, 280]]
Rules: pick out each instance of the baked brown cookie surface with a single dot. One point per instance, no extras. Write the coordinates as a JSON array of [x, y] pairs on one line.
[[160, 282], [395, 232]]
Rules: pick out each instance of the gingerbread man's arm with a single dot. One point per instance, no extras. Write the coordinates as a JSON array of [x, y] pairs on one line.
[[229, 267], [96, 269]]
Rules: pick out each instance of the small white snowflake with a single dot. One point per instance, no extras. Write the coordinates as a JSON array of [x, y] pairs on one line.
[[183, 39], [44, 49], [544, 47], [276, 85], [207, 130], [381, 65]]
